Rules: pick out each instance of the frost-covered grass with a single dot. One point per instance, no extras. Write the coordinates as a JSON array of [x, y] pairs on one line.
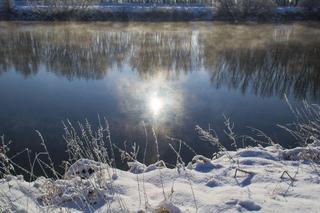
[[270, 183], [265, 178]]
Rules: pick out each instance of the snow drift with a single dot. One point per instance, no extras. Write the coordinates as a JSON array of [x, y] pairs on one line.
[[253, 179]]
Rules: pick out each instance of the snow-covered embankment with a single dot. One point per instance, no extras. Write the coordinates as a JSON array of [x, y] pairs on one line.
[[268, 179]]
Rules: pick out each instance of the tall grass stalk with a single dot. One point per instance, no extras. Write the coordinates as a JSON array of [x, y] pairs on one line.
[[306, 127], [158, 160], [179, 160]]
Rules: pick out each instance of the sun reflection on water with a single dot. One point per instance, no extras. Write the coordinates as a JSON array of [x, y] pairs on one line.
[[155, 100], [156, 104]]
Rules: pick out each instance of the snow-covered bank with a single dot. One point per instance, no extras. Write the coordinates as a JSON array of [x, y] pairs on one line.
[[268, 179], [115, 12], [151, 12]]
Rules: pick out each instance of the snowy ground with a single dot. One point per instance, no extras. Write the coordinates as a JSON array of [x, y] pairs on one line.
[[271, 179]]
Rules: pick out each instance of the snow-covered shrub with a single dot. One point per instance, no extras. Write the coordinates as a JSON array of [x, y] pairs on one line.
[[302, 153], [311, 152], [5, 165], [84, 168], [75, 192]]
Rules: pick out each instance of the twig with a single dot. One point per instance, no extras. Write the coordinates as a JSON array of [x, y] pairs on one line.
[[241, 170], [286, 172]]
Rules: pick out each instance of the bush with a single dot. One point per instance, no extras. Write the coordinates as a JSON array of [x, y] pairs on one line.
[[61, 6], [257, 7], [309, 4], [246, 8]]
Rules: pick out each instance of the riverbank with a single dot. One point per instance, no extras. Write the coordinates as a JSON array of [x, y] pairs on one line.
[[116, 13], [252, 179], [149, 12]]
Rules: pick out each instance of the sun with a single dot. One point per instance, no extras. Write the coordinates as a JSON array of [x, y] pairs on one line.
[[155, 105]]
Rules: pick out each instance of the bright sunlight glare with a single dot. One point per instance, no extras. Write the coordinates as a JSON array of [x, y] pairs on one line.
[[155, 104]]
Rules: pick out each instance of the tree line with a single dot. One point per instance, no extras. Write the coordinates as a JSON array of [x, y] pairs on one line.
[[205, 2]]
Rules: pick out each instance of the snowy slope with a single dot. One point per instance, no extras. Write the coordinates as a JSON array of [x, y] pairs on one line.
[[204, 185]]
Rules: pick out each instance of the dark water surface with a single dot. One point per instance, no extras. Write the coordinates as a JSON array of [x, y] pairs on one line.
[[170, 76]]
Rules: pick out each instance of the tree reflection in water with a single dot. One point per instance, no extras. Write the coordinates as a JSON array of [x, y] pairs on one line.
[[264, 59]]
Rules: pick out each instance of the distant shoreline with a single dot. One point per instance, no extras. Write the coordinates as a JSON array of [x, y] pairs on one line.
[[148, 12]]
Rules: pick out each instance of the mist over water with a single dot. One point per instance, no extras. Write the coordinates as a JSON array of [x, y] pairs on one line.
[[169, 76]]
